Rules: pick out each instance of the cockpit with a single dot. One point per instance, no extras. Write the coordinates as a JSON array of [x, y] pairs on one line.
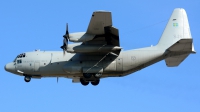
[[19, 57]]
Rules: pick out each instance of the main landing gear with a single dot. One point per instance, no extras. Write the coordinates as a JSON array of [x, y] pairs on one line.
[[85, 82], [87, 77], [95, 83], [27, 78]]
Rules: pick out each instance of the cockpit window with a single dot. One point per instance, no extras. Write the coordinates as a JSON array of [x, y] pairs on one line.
[[15, 59], [19, 61], [21, 55]]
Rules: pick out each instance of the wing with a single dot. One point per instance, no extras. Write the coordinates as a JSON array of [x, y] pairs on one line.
[[100, 37], [101, 26], [99, 20]]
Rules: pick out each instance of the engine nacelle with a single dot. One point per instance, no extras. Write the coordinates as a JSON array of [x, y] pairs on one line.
[[80, 37], [78, 48]]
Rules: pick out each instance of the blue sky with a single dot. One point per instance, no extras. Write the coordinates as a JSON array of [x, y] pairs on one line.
[[29, 25]]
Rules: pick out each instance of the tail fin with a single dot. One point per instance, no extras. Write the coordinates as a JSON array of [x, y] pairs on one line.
[[176, 29], [176, 38], [178, 52]]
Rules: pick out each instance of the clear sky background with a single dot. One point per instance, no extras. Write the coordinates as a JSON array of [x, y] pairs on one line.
[[29, 25]]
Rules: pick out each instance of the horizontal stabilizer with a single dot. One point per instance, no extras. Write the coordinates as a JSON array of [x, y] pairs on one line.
[[175, 60], [179, 51], [183, 45]]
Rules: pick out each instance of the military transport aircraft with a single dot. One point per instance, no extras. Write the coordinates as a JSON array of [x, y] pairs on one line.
[[97, 53]]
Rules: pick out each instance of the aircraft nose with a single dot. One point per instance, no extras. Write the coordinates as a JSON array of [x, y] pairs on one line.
[[9, 67], [5, 68]]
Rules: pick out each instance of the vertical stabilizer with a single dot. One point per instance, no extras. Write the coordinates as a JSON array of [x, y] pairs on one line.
[[176, 38], [176, 29]]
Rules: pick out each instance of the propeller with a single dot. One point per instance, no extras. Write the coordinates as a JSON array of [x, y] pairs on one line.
[[65, 40]]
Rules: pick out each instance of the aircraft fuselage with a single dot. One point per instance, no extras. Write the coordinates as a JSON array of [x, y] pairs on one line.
[[56, 64]]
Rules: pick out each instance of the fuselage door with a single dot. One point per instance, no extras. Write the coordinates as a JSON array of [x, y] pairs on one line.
[[36, 66], [119, 64], [18, 64]]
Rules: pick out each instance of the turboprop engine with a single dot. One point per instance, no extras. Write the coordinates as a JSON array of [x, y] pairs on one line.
[[81, 48], [80, 37]]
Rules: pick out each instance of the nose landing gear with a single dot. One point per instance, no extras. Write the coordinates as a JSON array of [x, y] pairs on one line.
[[27, 78]]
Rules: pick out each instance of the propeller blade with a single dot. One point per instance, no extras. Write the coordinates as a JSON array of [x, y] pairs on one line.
[[65, 40], [67, 29], [66, 44], [67, 32]]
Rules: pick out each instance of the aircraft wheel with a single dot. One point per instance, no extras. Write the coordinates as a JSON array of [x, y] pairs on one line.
[[27, 78], [95, 83], [87, 75], [83, 82]]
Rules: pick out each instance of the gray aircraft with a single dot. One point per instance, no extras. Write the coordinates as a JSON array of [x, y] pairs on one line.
[[97, 54]]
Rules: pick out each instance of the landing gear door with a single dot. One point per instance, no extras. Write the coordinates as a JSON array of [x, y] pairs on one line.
[[119, 64]]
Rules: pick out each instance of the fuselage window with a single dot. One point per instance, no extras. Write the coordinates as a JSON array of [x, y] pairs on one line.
[[19, 61]]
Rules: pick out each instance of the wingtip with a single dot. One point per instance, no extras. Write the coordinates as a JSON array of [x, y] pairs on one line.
[[97, 11]]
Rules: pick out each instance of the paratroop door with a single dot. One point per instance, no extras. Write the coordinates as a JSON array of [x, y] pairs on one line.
[[119, 64]]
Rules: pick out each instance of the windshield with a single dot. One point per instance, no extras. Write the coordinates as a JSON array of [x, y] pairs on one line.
[[20, 56], [15, 59]]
